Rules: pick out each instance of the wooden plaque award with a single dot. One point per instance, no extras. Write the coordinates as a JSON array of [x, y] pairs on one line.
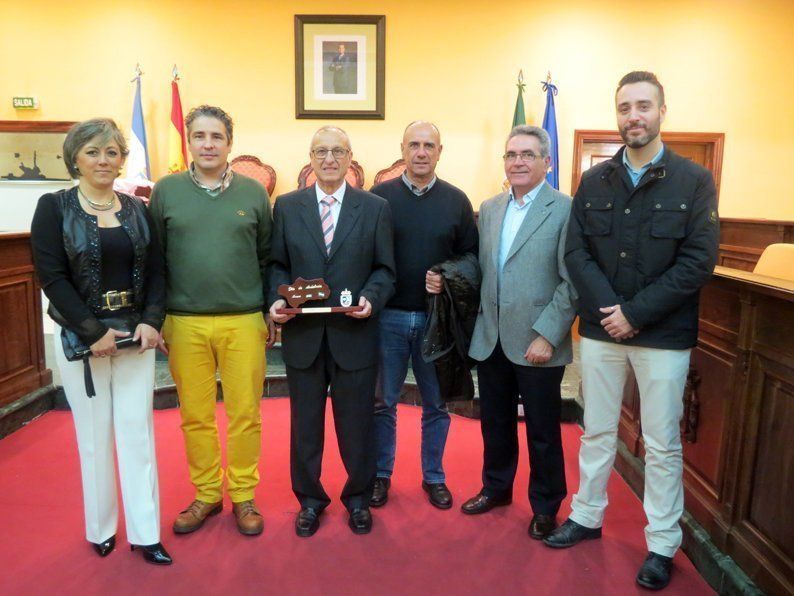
[[305, 290]]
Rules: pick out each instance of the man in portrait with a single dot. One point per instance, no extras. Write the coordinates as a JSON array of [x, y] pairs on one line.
[[343, 68]]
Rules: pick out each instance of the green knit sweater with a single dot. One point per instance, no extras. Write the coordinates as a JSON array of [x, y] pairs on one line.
[[217, 249]]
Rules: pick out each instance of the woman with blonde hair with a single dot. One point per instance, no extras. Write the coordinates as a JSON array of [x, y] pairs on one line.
[[102, 270]]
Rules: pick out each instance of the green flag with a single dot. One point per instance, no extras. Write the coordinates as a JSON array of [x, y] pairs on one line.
[[518, 115]]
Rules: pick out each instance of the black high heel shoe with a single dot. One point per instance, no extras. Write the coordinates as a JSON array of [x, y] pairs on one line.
[[103, 549], [154, 553]]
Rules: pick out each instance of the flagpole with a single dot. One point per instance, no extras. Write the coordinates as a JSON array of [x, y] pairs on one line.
[[550, 126]]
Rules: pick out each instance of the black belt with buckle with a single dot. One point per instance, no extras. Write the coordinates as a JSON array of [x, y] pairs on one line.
[[116, 300]]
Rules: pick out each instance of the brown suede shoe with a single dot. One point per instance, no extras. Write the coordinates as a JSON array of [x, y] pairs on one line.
[[192, 518], [249, 520]]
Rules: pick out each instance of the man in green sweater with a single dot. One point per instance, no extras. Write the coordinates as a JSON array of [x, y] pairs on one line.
[[215, 227]]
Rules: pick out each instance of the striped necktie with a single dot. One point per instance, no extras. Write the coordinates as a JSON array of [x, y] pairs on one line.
[[327, 222]]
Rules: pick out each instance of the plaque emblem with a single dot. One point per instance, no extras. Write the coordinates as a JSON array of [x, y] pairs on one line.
[[346, 298]]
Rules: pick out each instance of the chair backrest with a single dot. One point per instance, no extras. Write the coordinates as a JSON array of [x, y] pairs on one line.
[[393, 171], [777, 260], [354, 176], [252, 166]]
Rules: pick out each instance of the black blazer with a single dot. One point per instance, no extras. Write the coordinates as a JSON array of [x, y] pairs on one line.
[[361, 261]]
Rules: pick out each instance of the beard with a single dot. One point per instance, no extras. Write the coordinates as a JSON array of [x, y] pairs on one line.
[[636, 142]]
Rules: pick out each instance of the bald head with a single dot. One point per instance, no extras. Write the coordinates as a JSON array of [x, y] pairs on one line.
[[421, 149], [424, 126], [334, 131]]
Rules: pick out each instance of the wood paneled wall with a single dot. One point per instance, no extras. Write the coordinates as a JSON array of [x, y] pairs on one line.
[[743, 240], [738, 423], [22, 367]]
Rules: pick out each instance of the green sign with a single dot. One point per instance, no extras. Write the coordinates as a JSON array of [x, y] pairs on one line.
[[26, 103]]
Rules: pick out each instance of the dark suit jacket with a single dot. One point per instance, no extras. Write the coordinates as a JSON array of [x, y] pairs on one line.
[[361, 261]]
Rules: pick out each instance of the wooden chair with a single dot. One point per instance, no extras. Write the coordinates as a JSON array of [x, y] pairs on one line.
[[354, 176], [393, 171], [252, 166], [777, 260]]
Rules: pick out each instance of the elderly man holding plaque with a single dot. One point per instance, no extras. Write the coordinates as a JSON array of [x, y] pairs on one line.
[[342, 236]]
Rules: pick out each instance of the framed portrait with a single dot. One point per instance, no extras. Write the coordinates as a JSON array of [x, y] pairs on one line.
[[340, 63], [32, 151]]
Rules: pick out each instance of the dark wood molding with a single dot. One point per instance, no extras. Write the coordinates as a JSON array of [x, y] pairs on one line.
[[713, 142], [35, 126]]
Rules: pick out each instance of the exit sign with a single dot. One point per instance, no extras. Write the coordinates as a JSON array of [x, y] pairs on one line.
[[26, 103]]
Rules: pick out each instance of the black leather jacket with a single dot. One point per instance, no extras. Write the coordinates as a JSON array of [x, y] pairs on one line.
[[67, 256], [450, 325]]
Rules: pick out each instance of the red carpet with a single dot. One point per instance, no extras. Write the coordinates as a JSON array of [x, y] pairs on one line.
[[413, 548]]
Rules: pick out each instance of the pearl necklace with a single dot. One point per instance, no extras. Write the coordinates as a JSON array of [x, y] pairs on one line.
[[98, 206]]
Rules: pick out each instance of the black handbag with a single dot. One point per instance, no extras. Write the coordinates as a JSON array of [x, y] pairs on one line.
[[74, 348]]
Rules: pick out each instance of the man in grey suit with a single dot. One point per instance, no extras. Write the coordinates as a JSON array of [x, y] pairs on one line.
[[522, 338]]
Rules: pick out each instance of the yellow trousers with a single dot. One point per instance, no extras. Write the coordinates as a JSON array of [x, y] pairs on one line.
[[233, 345]]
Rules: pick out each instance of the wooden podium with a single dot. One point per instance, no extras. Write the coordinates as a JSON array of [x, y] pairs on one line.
[[22, 367]]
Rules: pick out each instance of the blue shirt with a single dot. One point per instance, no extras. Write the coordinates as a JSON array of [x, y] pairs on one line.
[[514, 217], [635, 175]]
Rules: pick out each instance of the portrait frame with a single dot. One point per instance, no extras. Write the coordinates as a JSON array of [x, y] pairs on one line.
[[30, 137], [340, 66]]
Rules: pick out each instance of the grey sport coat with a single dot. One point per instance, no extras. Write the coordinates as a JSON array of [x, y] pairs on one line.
[[536, 296]]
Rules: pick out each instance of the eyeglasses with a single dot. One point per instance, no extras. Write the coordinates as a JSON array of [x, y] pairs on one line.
[[528, 156], [322, 152]]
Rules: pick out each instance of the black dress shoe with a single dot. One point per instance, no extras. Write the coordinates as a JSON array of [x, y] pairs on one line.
[[307, 522], [541, 526], [103, 549], [360, 521], [154, 553], [570, 533], [439, 495], [655, 572], [380, 492], [481, 503]]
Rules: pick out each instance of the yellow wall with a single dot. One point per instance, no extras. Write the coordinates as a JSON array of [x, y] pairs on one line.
[[726, 65]]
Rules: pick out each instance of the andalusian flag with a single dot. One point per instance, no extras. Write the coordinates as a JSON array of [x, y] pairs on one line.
[[177, 146], [138, 159], [518, 114]]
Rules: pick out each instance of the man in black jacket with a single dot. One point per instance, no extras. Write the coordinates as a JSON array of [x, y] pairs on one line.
[[642, 241], [333, 231]]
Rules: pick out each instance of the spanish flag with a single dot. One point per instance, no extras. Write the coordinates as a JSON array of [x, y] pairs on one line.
[[177, 147]]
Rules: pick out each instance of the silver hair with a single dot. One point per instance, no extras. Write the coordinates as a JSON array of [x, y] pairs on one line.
[[104, 129], [533, 131]]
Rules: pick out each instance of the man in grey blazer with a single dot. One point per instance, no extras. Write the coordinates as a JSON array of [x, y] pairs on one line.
[[522, 338]]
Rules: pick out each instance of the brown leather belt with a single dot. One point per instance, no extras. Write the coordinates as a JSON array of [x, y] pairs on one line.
[[116, 300]]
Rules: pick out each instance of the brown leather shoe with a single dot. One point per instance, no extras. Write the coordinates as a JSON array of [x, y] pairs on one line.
[[192, 518], [249, 520], [541, 526]]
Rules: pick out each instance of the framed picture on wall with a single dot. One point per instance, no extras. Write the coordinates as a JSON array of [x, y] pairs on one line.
[[340, 63], [32, 151]]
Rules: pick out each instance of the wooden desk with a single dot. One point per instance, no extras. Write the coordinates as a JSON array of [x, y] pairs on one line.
[[738, 427], [22, 367]]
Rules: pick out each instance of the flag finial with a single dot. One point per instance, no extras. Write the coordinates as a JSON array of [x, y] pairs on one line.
[[548, 77], [138, 72], [175, 73]]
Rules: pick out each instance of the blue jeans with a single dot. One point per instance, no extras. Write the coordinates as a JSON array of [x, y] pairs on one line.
[[401, 335]]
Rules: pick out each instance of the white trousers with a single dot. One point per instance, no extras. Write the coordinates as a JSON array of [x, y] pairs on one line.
[[661, 375], [120, 413]]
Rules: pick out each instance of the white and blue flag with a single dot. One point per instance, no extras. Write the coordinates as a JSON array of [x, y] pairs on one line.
[[138, 159]]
